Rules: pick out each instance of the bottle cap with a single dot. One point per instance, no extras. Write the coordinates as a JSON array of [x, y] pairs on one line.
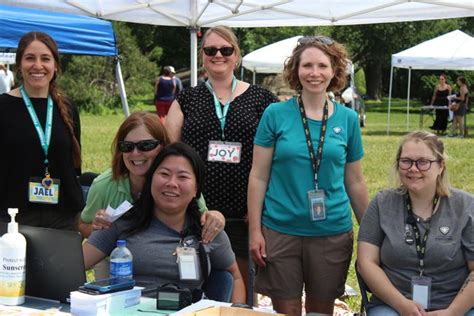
[[13, 226], [121, 243]]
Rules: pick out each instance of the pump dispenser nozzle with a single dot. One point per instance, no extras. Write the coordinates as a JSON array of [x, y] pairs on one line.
[[13, 226]]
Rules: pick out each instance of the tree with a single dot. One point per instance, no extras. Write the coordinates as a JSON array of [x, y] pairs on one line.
[[90, 81], [372, 45]]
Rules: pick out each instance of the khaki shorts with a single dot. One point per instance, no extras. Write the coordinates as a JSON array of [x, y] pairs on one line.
[[318, 263]]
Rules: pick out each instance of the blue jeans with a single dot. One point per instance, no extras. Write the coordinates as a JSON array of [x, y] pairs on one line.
[[385, 310]]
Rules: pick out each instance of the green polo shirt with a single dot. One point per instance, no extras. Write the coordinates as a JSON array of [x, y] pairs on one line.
[[105, 191]]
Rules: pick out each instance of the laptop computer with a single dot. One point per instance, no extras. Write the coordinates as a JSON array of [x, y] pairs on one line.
[[54, 262]]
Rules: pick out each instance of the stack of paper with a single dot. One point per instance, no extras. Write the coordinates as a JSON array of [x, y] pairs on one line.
[[105, 304]]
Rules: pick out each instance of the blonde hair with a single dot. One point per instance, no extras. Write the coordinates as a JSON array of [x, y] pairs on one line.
[[228, 35], [435, 144]]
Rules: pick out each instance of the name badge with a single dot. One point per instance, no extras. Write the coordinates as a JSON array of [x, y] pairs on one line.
[[317, 209], [228, 152], [421, 290], [188, 264], [40, 193]]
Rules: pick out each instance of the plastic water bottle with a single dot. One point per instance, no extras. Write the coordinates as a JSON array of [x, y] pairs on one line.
[[121, 261]]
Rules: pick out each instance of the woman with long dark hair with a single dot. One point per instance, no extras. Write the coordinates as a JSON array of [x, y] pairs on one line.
[[166, 218], [41, 152]]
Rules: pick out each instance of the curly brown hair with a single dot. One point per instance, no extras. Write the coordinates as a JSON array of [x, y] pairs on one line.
[[336, 52]]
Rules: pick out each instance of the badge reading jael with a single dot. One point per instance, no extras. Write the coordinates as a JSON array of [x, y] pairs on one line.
[[44, 190]]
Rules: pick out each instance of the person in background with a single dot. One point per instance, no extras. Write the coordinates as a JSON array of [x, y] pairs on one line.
[[419, 236], [440, 98], [40, 131], [165, 219], [138, 141], [165, 91], [461, 102], [179, 83], [10, 78], [219, 119], [3, 79], [306, 169]]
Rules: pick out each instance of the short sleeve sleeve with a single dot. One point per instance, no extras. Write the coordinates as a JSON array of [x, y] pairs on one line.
[[265, 135], [467, 239], [221, 254], [105, 239], [355, 147], [95, 202], [370, 229]]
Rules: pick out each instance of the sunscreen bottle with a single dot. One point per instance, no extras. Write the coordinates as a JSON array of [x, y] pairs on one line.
[[12, 264]]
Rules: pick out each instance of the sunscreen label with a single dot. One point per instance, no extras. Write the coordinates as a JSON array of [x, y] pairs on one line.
[[12, 273]]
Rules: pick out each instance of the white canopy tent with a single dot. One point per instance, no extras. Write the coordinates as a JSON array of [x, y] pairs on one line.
[[453, 50], [7, 58], [195, 14], [270, 58]]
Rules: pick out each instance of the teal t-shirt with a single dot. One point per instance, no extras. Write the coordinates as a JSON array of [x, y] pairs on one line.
[[286, 207], [105, 191]]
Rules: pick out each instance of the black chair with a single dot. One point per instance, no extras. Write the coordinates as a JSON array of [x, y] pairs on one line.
[[364, 291], [86, 180], [219, 286]]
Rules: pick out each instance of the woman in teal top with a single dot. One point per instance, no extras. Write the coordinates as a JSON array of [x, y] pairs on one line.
[[306, 170]]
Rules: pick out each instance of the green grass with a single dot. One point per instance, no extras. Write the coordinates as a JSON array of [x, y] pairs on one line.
[[380, 148]]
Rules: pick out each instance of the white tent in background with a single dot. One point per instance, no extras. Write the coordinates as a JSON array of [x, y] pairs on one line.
[[453, 50], [7, 58], [195, 14], [270, 58]]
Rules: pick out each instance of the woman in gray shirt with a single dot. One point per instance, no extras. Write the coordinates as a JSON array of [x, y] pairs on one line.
[[416, 242]]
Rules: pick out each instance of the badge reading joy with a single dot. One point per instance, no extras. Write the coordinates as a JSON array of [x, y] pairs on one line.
[[224, 152]]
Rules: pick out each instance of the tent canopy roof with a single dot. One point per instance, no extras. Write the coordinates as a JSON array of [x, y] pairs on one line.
[[270, 58], [74, 34], [258, 13], [453, 50]]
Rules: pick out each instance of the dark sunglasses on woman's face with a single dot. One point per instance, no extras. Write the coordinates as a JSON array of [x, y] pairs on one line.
[[143, 145], [212, 51]]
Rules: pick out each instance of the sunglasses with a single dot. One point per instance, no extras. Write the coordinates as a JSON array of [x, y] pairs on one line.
[[143, 145], [212, 51], [316, 39]]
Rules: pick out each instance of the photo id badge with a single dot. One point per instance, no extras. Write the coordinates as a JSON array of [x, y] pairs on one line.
[[317, 210], [188, 264], [42, 193], [228, 152], [421, 290]]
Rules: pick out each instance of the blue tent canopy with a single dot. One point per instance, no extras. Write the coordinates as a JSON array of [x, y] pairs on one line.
[[75, 34]]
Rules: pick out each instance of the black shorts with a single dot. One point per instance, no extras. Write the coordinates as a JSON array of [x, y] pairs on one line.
[[238, 232]]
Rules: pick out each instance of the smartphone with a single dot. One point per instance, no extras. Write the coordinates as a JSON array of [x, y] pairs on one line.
[[109, 285]]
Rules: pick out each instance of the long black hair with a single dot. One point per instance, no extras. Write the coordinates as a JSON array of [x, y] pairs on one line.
[[142, 213]]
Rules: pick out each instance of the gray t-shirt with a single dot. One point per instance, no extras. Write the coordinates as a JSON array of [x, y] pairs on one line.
[[449, 246], [154, 251]]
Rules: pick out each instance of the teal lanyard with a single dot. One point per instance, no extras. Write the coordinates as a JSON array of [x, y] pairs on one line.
[[45, 137], [222, 113]]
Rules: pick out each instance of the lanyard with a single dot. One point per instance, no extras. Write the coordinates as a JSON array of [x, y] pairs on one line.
[[44, 136], [222, 113], [315, 161], [419, 242]]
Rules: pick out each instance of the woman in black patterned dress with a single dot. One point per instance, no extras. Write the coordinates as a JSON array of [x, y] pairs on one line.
[[219, 118]]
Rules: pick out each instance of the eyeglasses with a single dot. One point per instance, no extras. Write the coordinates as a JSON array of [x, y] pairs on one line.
[[421, 164], [143, 145], [212, 51], [315, 39]]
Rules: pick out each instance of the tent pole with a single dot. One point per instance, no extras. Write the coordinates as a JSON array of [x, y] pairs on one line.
[[408, 99], [253, 76], [121, 87], [193, 33], [242, 73], [389, 100]]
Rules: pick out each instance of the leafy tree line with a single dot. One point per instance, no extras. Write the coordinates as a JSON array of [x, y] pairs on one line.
[[145, 49]]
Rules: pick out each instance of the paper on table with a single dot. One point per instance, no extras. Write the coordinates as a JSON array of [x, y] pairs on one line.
[[112, 214], [202, 304]]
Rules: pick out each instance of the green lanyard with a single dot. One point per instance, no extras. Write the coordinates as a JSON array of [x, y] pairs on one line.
[[315, 161], [44, 136], [222, 113]]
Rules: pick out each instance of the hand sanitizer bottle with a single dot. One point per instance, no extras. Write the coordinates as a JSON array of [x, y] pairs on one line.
[[12, 264]]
